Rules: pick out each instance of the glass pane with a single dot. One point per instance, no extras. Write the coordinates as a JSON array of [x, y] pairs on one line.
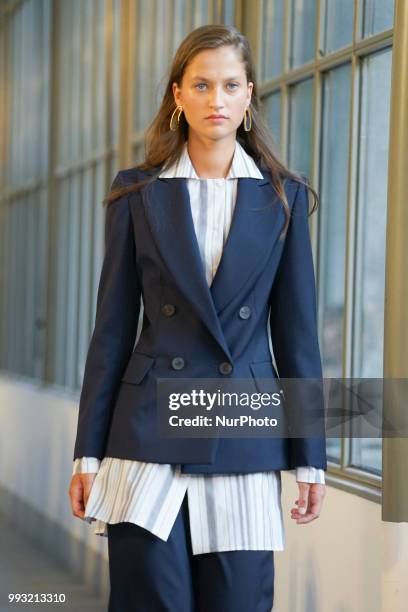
[[333, 450], [143, 103], [332, 225], [300, 127], [201, 12], [99, 72], [368, 337], [24, 110], [377, 16], [332, 239], [114, 81], [366, 453], [272, 38], [272, 111], [88, 67], [338, 24], [303, 32]]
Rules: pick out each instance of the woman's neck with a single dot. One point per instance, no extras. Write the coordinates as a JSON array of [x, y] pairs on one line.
[[211, 161]]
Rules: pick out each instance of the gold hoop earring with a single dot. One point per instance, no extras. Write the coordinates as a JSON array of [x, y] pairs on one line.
[[247, 129], [180, 109]]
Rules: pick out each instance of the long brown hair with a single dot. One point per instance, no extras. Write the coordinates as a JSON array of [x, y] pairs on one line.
[[163, 146]]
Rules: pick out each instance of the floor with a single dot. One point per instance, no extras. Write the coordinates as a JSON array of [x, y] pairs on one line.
[[25, 569]]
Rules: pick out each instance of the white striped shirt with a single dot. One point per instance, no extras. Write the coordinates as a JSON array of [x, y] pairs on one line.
[[227, 512]]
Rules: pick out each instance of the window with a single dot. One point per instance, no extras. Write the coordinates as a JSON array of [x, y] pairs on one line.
[[320, 102]]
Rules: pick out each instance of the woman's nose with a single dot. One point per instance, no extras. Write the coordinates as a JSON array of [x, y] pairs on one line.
[[216, 100]]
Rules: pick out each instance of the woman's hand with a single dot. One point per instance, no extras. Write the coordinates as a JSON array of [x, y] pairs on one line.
[[79, 490], [310, 502]]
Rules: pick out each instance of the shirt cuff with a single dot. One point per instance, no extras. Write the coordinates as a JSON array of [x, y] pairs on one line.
[[86, 465], [310, 474]]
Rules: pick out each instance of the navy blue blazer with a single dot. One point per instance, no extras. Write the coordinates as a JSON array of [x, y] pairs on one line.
[[192, 330]]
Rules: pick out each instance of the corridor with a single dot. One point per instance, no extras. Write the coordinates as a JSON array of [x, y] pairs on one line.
[[26, 569]]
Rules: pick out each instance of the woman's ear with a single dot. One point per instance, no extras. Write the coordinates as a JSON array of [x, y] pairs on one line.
[[176, 94], [250, 87]]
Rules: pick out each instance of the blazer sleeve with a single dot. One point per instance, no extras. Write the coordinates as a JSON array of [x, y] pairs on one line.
[[114, 333], [293, 324]]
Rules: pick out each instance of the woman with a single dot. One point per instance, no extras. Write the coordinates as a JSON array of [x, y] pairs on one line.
[[212, 230]]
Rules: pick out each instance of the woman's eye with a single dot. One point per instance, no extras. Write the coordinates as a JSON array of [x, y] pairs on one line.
[[234, 85]]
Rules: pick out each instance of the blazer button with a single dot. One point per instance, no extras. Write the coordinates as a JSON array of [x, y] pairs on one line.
[[177, 363], [168, 309], [225, 367], [245, 312]]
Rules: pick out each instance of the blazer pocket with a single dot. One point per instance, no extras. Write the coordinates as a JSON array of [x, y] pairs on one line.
[[137, 368], [265, 376]]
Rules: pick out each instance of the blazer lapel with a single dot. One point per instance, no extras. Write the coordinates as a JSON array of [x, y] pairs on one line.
[[256, 224]]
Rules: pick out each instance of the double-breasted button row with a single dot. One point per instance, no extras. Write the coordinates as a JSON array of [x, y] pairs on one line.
[[168, 310], [177, 363], [245, 312]]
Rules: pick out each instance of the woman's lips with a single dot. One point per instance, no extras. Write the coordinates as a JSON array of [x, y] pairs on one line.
[[216, 119]]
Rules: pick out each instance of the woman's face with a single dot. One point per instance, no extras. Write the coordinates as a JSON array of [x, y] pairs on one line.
[[214, 83]]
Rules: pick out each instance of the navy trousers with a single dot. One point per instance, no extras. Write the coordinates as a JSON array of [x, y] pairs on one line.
[[150, 575]]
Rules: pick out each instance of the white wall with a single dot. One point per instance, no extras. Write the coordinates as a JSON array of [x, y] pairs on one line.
[[37, 437], [332, 564], [338, 563]]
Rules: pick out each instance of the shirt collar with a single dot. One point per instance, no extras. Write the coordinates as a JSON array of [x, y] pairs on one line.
[[243, 165]]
